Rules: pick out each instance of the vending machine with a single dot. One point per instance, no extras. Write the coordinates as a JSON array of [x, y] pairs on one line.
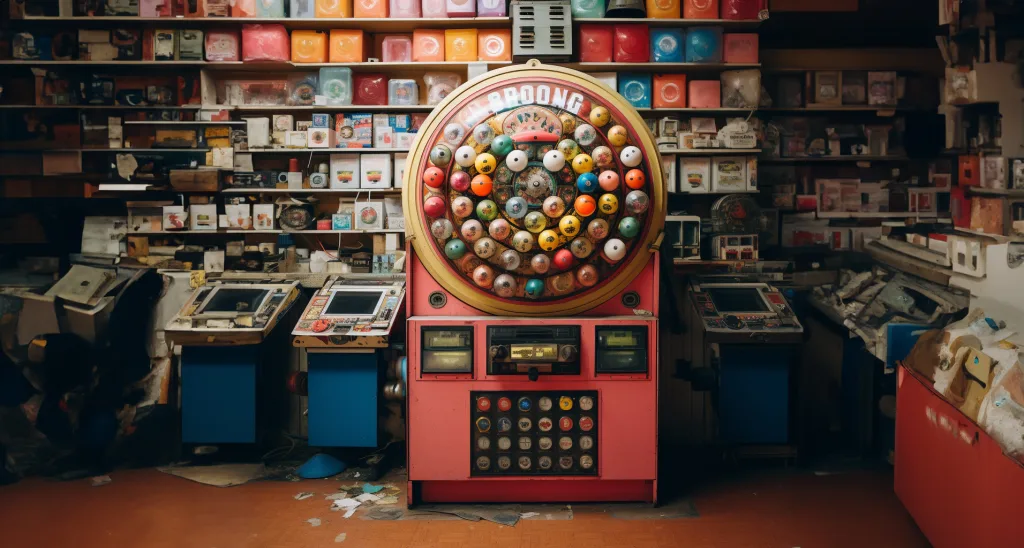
[[534, 206]]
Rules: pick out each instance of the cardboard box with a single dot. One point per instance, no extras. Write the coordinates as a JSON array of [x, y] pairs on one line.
[[203, 216], [190, 45], [345, 171], [400, 160], [321, 138], [195, 180], [354, 130], [695, 175], [375, 171], [729, 174]]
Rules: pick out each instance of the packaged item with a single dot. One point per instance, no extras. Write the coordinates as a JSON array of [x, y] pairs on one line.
[[742, 10], [609, 79], [265, 43], [203, 216], [303, 88], [345, 171], [632, 44], [882, 88], [243, 8], [636, 88], [321, 120], [490, 8], [263, 216], [396, 49], [342, 220], [239, 216], [460, 45], [370, 9], [370, 215], [403, 92], [729, 174], [354, 130], [695, 175], [460, 8], [434, 9], [155, 8], [427, 46], [318, 137], [175, 218], [740, 47], [700, 9], [369, 89], [375, 171], [993, 172], [667, 45], [190, 45], [494, 45], [588, 9], [855, 88], [669, 91], [347, 46], [741, 88], [336, 85], [405, 9], [828, 87], [439, 85], [970, 170], [704, 45], [216, 8], [222, 45], [664, 9], [705, 94], [332, 8], [164, 44], [303, 9], [270, 9], [596, 43], [309, 46], [400, 160]]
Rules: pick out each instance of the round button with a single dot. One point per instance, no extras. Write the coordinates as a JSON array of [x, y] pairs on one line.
[[544, 424], [586, 443], [586, 403], [525, 424], [525, 463], [525, 404], [504, 424], [565, 403], [565, 423], [483, 424], [544, 463], [564, 463], [504, 404], [733, 322], [483, 463], [565, 443], [525, 443], [504, 463], [586, 424], [586, 462], [483, 404], [504, 443], [545, 402], [483, 443], [544, 443]]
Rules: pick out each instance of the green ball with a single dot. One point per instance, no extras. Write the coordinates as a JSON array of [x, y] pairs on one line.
[[501, 145], [534, 288], [455, 249], [487, 210], [629, 227]]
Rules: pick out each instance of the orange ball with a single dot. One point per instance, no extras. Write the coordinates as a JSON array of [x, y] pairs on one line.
[[481, 185], [585, 205], [635, 179]]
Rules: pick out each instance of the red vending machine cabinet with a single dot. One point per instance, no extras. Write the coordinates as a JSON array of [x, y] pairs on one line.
[[534, 205]]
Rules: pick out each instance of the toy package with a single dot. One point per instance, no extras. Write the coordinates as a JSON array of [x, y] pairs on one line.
[[632, 44], [354, 130], [370, 9], [435, 9], [490, 8], [222, 45], [583, 9], [636, 88], [346, 46], [460, 45], [663, 9], [596, 43], [336, 85], [405, 9], [667, 45], [265, 43], [494, 45], [700, 9], [439, 85], [309, 46], [742, 10], [396, 49], [705, 94], [369, 89], [740, 48], [460, 8], [270, 9], [302, 89], [403, 92], [332, 8], [741, 88], [704, 45], [669, 91], [427, 46]]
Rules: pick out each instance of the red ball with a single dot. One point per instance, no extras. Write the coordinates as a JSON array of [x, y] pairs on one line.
[[635, 179], [459, 181], [433, 177], [563, 259], [434, 206]]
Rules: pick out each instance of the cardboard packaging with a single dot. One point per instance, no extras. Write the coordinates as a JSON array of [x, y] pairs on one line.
[[631, 43], [460, 45], [400, 161], [347, 46], [669, 91], [369, 215], [337, 9], [190, 45], [369, 89], [375, 171], [223, 46], [321, 138], [969, 170], [354, 130], [700, 9], [428, 46], [729, 174], [203, 216], [705, 94], [370, 9], [740, 48], [345, 171], [309, 46], [664, 9], [695, 175], [596, 43], [195, 180], [494, 45], [405, 9], [460, 8]]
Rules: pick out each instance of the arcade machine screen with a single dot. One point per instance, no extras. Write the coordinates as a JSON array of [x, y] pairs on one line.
[[354, 303], [231, 301], [737, 299]]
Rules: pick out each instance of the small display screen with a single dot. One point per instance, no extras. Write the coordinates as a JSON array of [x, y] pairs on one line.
[[353, 303], [446, 339], [737, 299], [447, 350], [618, 339], [240, 300]]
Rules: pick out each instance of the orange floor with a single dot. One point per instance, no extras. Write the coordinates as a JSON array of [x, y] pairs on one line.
[[145, 508]]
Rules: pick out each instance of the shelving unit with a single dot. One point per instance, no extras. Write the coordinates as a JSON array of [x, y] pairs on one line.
[[320, 23]]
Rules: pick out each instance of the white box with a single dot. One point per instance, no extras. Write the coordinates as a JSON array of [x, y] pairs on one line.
[[263, 216], [239, 216], [404, 140], [284, 122], [668, 171], [729, 174], [203, 216], [609, 79], [321, 138], [383, 137], [400, 160], [460, 8], [257, 131], [175, 218], [695, 175], [296, 139], [345, 171], [375, 171], [395, 215], [369, 215]]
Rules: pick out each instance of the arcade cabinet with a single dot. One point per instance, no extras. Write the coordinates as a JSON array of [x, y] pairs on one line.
[[535, 205], [221, 329], [344, 326]]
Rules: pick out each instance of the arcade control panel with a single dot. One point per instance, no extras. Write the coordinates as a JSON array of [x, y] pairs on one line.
[[352, 307], [743, 307], [235, 312]]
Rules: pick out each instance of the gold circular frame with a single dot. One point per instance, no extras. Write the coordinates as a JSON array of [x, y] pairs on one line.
[[419, 237]]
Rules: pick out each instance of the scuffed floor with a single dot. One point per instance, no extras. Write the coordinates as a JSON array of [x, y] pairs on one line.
[[145, 508]]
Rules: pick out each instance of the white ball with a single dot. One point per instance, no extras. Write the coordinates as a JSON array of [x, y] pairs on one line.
[[465, 156], [615, 250], [554, 160], [516, 160], [630, 156]]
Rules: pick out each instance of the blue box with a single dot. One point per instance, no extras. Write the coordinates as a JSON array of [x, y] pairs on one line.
[[636, 88], [321, 120], [704, 45], [588, 9], [342, 400], [667, 45]]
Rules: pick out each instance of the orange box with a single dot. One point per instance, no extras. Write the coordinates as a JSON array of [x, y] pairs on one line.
[[427, 46], [346, 46], [460, 45], [333, 8], [663, 9], [669, 91], [309, 46], [370, 9], [700, 9], [494, 45], [243, 8]]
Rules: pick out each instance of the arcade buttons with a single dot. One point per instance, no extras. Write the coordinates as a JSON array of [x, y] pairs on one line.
[[504, 443], [504, 424], [525, 463], [525, 424], [504, 404], [544, 403], [586, 423], [565, 443], [586, 443], [544, 463], [483, 424], [504, 463], [565, 463], [525, 443], [586, 403], [483, 443], [525, 404], [586, 462], [544, 443], [565, 403], [544, 424], [565, 424], [483, 403], [483, 463]]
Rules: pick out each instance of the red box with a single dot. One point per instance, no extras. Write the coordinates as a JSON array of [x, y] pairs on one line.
[[595, 42], [970, 171], [705, 94], [632, 44], [266, 43], [669, 91], [960, 207], [369, 89], [742, 10], [700, 9], [740, 48]]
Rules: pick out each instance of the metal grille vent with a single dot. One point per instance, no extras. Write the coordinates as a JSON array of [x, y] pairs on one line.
[[542, 29]]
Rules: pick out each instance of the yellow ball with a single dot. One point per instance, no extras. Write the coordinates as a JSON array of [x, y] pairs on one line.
[[617, 136], [608, 204], [600, 116], [569, 225], [582, 163], [485, 163], [548, 240], [535, 221]]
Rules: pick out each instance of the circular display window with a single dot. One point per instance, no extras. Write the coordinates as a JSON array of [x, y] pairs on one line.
[[534, 190]]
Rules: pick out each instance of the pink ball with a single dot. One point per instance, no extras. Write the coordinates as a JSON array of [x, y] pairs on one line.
[[460, 181]]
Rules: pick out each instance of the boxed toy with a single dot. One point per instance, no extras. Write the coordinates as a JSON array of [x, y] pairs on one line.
[[190, 45], [223, 45], [265, 43], [400, 159], [346, 46], [427, 45], [695, 175], [729, 174], [375, 171], [631, 44], [354, 130], [345, 171]]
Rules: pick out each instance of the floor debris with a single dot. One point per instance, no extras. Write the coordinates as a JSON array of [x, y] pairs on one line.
[[369, 488], [341, 537], [500, 514], [337, 496], [218, 475], [528, 515], [100, 480], [391, 499], [315, 522], [367, 497], [304, 495]]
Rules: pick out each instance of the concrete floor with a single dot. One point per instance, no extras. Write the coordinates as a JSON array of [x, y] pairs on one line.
[[145, 508]]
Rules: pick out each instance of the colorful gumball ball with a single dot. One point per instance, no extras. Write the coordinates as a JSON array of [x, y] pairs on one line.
[[465, 156], [587, 275], [637, 202], [585, 135], [614, 250], [554, 160], [540, 263], [617, 136], [481, 185], [510, 259], [517, 160], [460, 181], [483, 134], [629, 227], [563, 259], [585, 205], [548, 240], [569, 225], [586, 182], [600, 116], [485, 248], [486, 210], [462, 206], [608, 204], [609, 181], [501, 145], [454, 249], [472, 230], [603, 156], [505, 286], [635, 179], [485, 163], [553, 206], [516, 207], [433, 206], [631, 156], [440, 156], [535, 221], [534, 288], [582, 163], [598, 229], [499, 229], [568, 123], [483, 276], [522, 241], [441, 229], [581, 248], [568, 148]]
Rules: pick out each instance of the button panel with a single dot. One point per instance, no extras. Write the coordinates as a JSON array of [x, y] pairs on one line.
[[542, 433]]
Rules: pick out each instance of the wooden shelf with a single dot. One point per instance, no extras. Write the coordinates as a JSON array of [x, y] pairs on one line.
[[103, 107], [87, 150], [658, 67], [352, 192], [322, 108], [680, 193], [222, 232], [877, 109], [182, 123], [256, 66], [698, 110], [838, 159], [711, 151], [1007, 192], [376, 24], [322, 150], [880, 215], [652, 22]]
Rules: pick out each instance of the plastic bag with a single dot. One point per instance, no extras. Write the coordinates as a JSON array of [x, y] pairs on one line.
[[1002, 411], [265, 43], [439, 85]]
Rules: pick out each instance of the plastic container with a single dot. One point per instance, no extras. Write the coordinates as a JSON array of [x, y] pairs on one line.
[[405, 9], [596, 43], [336, 85], [490, 8], [434, 9], [346, 46], [439, 85], [303, 88], [271, 8], [705, 94], [460, 8], [664, 9], [370, 9], [427, 46], [700, 9], [332, 8], [668, 91], [265, 43], [460, 45], [396, 49], [583, 9], [222, 45], [243, 8], [740, 48], [632, 44], [369, 89], [309, 46], [636, 88], [494, 45], [403, 92], [704, 45], [667, 46], [302, 9], [742, 10]]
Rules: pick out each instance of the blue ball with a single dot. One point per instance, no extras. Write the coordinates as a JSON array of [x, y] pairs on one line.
[[534, 288], [587, 182]]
